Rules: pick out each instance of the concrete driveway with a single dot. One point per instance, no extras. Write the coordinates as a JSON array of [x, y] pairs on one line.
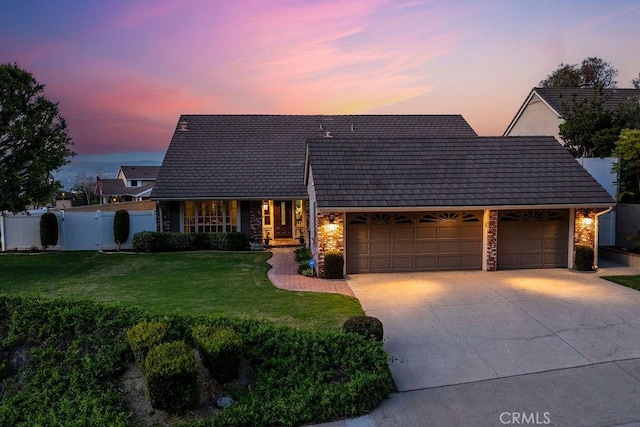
[[459, 327]]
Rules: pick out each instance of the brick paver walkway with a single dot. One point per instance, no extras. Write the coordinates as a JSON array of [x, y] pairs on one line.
[[284, 275]]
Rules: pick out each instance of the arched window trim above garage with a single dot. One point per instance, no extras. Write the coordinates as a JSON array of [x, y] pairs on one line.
[[532, 215], [442, 218]]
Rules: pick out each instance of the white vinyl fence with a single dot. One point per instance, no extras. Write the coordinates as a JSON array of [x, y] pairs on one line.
[[601, 170], [77, 230]]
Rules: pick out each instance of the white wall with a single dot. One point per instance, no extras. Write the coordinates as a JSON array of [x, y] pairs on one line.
[[77, 230], [537, 119], [601, 170]]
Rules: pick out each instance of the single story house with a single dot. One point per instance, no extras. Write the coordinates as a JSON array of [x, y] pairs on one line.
[[391, 192]]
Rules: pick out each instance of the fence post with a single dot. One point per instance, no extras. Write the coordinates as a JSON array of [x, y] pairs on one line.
[[3, 243], [98, 217]]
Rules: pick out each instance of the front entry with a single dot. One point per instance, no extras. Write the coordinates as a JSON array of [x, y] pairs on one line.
[[282, 226]]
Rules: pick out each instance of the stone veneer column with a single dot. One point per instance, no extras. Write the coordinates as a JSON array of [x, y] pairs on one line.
[[329, 240], [492, 241], [163, 216], [584, 233], [255, 221]]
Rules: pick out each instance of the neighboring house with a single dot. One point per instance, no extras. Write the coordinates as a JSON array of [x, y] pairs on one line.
[[132, 183], [541, 112], [392, 193]]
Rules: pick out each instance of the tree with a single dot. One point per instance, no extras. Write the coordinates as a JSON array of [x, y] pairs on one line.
[[85, 185], [588, 129], [636, 82], [33, 141], [121, 227], [48, 230], [593, 72], [628, 152]]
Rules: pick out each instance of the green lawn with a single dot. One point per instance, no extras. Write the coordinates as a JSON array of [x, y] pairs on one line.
[[233, 284], [628, 281]]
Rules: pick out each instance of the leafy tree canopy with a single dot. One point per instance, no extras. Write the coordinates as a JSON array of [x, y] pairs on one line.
[[33, 141], [628, 151], [636, 82], [593, 72]]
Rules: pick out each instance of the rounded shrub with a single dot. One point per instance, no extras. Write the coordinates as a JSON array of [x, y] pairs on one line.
[[171, 372], [48, 230], [584, 258], [220, 349], [121, 227], [370, 328], [333, 265], [143, 337]]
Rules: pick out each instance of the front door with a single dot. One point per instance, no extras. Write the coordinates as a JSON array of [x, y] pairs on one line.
[[282, 220]]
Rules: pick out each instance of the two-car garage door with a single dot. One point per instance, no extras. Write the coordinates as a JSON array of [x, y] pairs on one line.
[[415, 241], [452, 240]]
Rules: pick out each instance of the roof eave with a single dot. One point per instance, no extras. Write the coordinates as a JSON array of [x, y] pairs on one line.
[[464, 208]]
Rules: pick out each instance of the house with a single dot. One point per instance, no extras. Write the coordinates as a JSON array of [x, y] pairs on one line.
[[541, 112], [391, 192], [132, 183]]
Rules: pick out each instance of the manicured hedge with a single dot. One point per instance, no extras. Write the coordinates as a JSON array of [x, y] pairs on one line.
[[153, 241], [144, 336], [48, 230], [584, 258], [62, 362], [171, 373], [333, 265], [220, 349], [369, 328]]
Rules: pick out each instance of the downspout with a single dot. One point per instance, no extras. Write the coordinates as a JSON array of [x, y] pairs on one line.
[[595, 237]]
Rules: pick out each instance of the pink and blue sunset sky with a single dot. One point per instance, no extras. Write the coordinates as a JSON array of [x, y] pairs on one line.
[[124, 70]]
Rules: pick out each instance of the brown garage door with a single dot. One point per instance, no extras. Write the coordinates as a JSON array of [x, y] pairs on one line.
[[533, 239], [422, 241]]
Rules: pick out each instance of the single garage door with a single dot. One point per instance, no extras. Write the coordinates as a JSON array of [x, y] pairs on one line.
[[416, 241], [533, 239]]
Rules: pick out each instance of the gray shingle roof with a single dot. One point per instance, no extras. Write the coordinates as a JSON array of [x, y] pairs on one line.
[[487, 171], [555, 96], [262, 156], [140, 172]]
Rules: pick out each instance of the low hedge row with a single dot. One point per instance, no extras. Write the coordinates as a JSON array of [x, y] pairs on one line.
[[63, 360], [154, 241]]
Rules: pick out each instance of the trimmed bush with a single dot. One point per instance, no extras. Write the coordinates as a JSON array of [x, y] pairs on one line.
[[584, 258], [143, 337], [220, 349], [171, 373], [48, 230], [333, 265], [121, 227], [153, 241], [370, 328], [302, 255]]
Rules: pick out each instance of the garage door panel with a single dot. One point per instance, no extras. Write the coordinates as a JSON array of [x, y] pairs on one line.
[[380, 248], [378, 232], [380, 264], [403, 263], [403, 248], [414, 242], [531, 245], [426, 248], [449, 233], [403, 233], [426, 233], [448, 247]]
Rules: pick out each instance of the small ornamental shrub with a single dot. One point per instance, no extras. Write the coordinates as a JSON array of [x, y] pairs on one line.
[[143, 337], [171, 373], [121, 227], [48, 230], [220, 349], [302, 255], [370, 328], [584, 258], [333, 265]]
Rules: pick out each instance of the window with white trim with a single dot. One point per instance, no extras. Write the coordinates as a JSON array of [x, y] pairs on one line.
[[210, 216]]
